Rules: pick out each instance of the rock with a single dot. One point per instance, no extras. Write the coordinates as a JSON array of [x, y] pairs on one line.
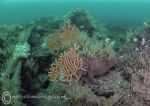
[[97, 66]]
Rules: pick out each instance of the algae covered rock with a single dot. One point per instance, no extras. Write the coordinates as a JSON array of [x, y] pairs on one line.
[[83, 21]]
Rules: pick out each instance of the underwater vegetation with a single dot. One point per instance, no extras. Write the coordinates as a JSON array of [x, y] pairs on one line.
[[74, 61], [83, 21]]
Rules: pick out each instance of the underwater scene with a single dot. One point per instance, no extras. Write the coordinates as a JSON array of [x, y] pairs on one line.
[[74, 53]]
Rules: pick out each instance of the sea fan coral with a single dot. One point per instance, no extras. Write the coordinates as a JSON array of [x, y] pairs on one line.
[[54, 41], [58, 39], [70, 33], [67, 66]]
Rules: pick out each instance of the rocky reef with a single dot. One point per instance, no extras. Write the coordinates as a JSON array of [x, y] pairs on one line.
[[71, 61]]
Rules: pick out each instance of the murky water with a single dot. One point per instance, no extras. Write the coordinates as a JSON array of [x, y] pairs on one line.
[[123, 12]]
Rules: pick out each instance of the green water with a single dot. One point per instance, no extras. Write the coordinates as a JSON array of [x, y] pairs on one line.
[[99, 61], [123, 12]]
